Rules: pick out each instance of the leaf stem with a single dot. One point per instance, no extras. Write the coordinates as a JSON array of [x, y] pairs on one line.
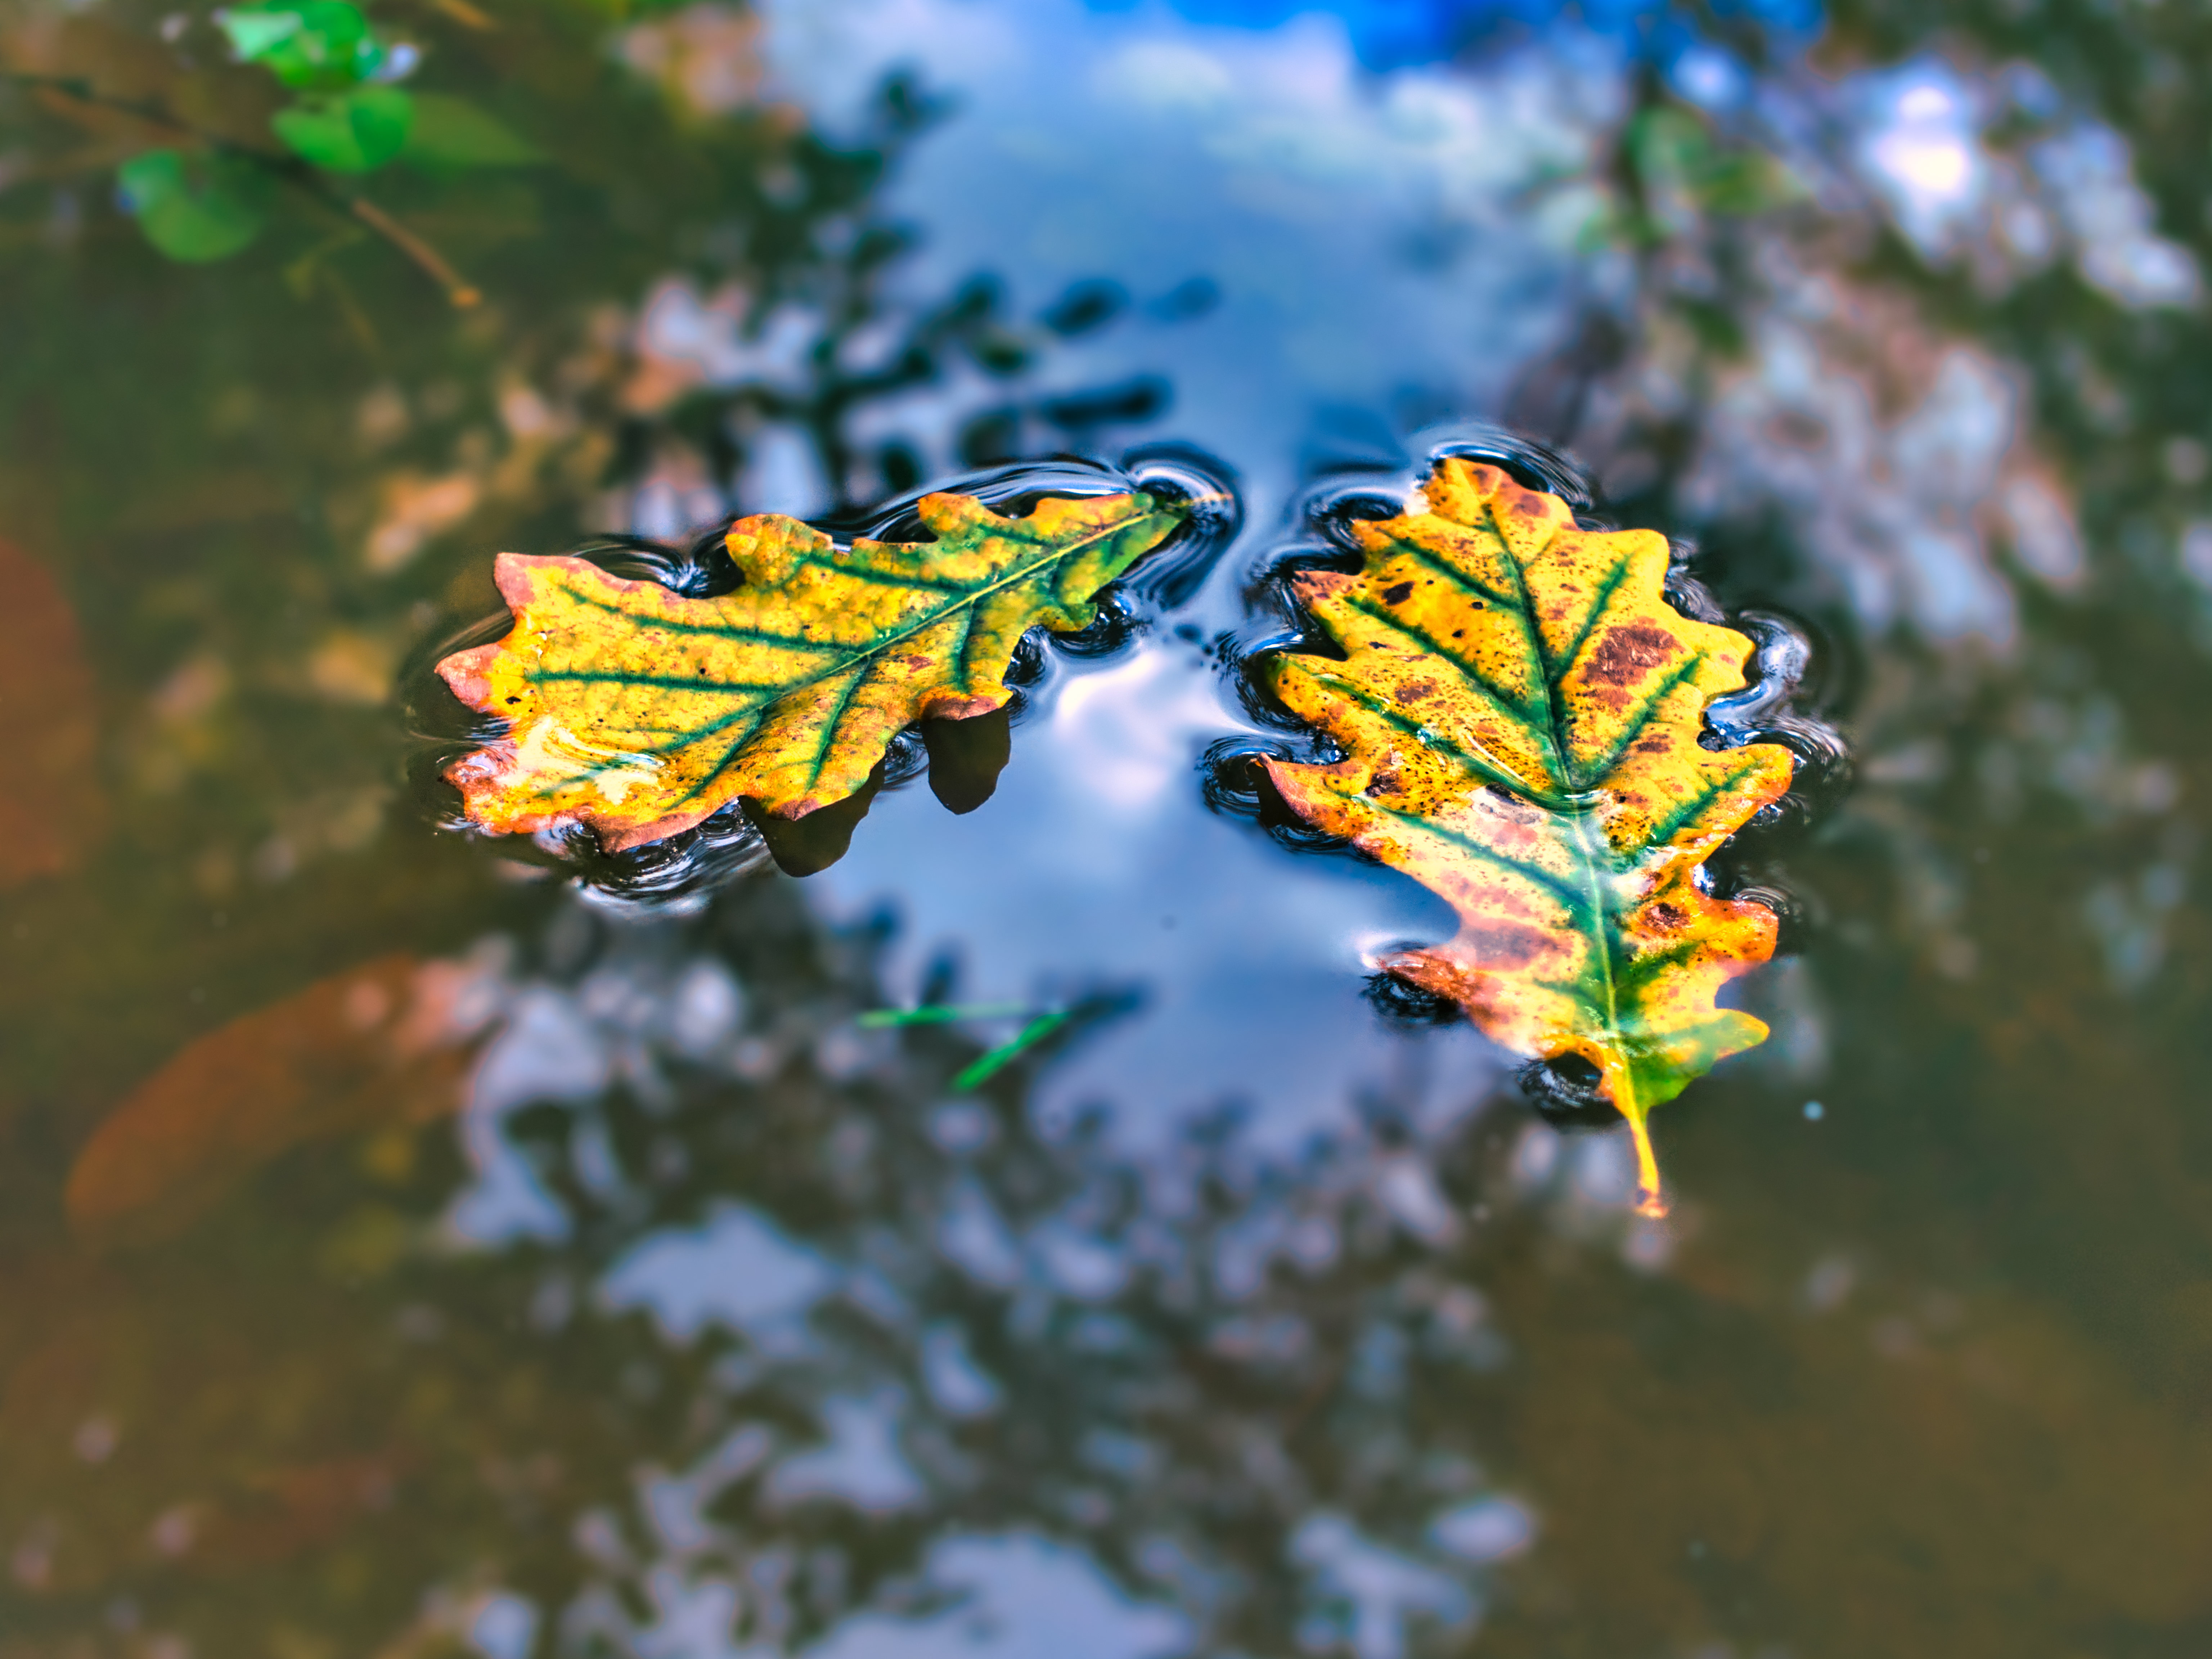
[[462, 293], [1620, 1078], [1651, 1197]]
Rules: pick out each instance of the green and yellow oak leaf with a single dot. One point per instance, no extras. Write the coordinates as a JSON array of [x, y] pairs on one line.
[[1519, 707], [640, 712]]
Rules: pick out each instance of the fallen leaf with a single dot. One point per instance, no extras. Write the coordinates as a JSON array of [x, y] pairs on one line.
[[1520, 709], [379, 1044], [639, 712], [49, 743]]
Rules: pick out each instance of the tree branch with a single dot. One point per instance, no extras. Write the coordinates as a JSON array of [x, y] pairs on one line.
[[291, 170]]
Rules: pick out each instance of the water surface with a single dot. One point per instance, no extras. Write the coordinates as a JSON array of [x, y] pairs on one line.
[[496, 1265]]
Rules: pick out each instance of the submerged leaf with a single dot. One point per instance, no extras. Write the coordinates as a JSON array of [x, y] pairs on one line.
[[379, 1045], [640, 713], [1520, 707], [49, 746]]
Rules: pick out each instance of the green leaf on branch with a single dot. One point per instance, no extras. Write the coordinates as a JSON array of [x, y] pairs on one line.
[[195, 210], [316, 46], [452, 132], [351, 132]]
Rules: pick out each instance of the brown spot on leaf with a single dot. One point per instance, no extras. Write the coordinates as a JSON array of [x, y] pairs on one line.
[[1398, 593], [1415, 690], [1495, 944], [1664, 917], [1625, 654]]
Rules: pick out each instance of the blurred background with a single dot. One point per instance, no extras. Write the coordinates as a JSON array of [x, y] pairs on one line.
[[416, 1245]]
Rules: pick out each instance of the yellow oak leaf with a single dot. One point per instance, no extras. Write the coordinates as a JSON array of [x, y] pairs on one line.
[[640, 712], [1519, 707]]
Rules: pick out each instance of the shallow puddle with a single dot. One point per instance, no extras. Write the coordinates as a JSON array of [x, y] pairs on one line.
[[421, 1241]]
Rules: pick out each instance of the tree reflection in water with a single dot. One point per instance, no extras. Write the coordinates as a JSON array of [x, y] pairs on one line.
[[742, 1320], [752, 1335]]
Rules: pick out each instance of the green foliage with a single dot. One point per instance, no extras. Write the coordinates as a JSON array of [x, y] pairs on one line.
[[195, 210], [314, 45], [350, 132], [204, 210], [451, 133]]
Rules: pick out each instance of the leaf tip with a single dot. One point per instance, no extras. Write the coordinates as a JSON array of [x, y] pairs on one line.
[[468, 673], [617, 837], [515, 575], [767, 547]]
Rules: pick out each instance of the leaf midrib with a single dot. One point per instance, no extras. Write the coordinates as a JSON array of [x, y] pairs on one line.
[[1599, 923], [967, 599], [854, 665]]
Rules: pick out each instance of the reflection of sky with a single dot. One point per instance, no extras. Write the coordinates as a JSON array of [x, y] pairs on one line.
[[1097, 863], [736, 1269], [1922, 150], [1366, 233], [1369, 243], [1391, 31], [1921, 146], [1017, 1597]]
